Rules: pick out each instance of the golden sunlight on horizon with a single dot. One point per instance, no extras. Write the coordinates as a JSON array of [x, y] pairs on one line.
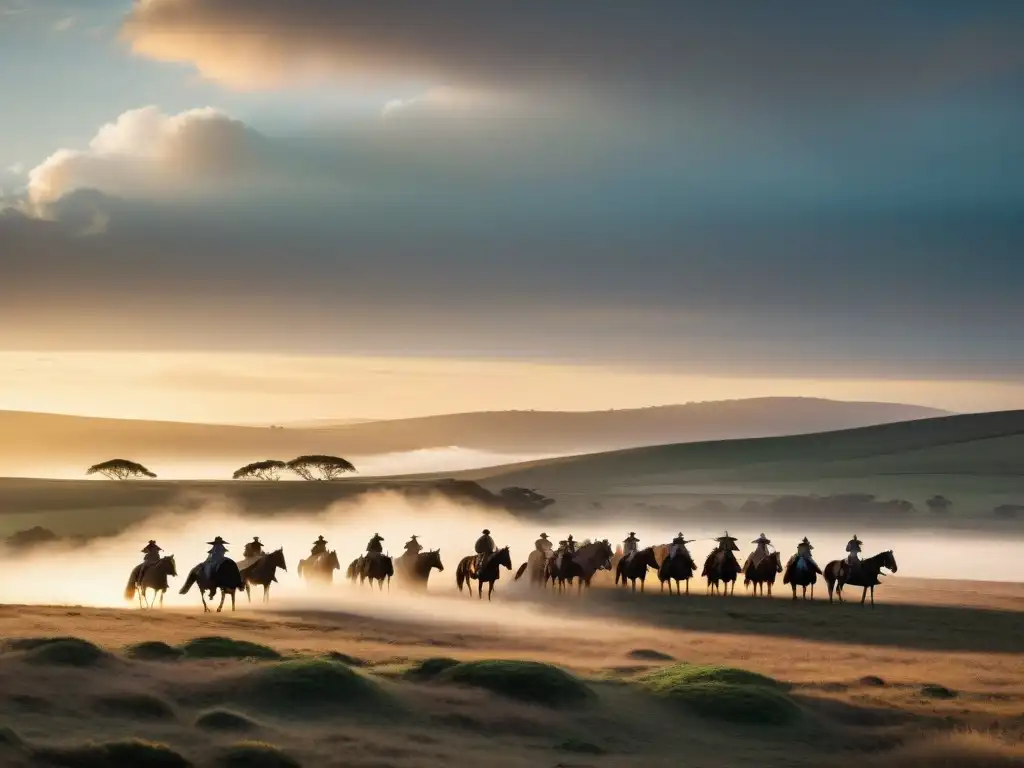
[[260, 389]]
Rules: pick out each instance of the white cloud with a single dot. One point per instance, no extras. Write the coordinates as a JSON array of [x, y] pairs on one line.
[[65, 24], [146, 152], [16, 169]]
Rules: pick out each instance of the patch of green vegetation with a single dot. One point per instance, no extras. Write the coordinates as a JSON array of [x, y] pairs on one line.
[[429, 669], [225, 720], [256, 754], [648, 654], [217, 647], [344, 658], [529, 681], [308, 685], [580, 747], [724, 693], [141, 706], [154, 650], [113, 754], [62, 651], [933, 691]]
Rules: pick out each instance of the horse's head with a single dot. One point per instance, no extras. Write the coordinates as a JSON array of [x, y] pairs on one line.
[[777, 558], [433, 559], [503, 557], [890, 561], [277, 559], [649, 557], [172, 568], [332, 560]]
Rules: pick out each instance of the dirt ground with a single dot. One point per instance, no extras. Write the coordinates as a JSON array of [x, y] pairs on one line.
[[932, 675]]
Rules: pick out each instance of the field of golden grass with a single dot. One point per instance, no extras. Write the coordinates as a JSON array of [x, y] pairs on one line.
[[932, 676]]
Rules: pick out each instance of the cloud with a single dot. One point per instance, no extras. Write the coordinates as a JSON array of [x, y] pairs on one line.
[[65, 24], [794, 50], [145, 152]]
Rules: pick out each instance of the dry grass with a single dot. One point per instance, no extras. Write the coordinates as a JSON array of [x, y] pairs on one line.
[[959, 749]]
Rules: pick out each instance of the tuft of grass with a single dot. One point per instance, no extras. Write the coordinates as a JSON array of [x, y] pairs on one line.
[[136, 706], [429, 669], [255, 754], [113, 754], [648, 654], [60, 651], [529, 681], [307, 686], [154, 650], [225, 720], [934, 691], [217, 647], [724, 693]]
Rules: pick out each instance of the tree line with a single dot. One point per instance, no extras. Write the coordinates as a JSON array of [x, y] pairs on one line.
[[310, 467]]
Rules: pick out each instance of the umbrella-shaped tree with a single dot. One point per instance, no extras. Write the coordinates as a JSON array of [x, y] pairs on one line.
[[269, 469], [119, 469], [320, 467]]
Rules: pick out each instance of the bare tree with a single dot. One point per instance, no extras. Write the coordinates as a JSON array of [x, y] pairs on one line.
[[269, 469], [320, 467], [119, 469]]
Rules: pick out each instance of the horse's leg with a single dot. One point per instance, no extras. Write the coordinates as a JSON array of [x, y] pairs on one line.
[[202, 596], [232, 600], [248, 592], [864, 596], [266, 593], [490, 591], [162, 593], [642, 580]]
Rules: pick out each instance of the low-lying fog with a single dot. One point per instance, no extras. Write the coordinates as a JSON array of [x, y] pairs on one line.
[[96, 573], [422, 461]]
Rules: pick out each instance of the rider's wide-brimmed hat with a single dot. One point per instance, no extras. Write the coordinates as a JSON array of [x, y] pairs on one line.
[[761, 538], [855, 540], [152, 543], [543, 536], [632, 533], [320, 538], [486, 532], [727, 537], [256, 540], [806, 543], [217, 540]]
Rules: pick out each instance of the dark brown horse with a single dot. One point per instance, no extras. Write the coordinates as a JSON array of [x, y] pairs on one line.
[[373, 566], [225, 577], [678, 567], [262, 572], [763, 573], [150, 576], [320, 568], [837, 574], [801, 574], [488, 573], [581, 565], [721, 566], [635, 567], [415, 569]]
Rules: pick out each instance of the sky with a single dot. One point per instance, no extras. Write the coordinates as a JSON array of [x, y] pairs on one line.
[[660, 201]]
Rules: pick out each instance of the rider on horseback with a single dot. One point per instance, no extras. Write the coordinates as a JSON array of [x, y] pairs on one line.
[[542, 545], [217, 554], [484, 546], [319, 547], [630, 546], [253, 549], [678, 546], [853, 558], [570, 544], [374, 547], [151, 556], [726, 547], [761, 552], [413, 547], [803, 559]]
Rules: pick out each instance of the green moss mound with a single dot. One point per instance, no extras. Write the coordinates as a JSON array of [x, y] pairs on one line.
[[344, 658], [113, 754], [217, 647], [255, 754], [135, 706], [307, 686], [429, 669], [225, 720], [154, 650], [61, 651], [724, 693], [648, 654], [529, 681]]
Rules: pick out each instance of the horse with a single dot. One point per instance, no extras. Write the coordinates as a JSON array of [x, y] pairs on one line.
[[581, 564], [373, 566], [489, 571], [226, 578], [636, 567], [762, 573], [150, 576], [416, 568], [262, 571], [837, 574], [801, 576], [320, 567], [537, 563], [678, 567], [721, 566]]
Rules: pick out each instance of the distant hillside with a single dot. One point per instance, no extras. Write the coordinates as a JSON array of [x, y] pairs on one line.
[[985, 451], [33, 442]]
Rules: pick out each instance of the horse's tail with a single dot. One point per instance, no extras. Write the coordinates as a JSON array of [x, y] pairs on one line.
[[460, 575], [192, 576], [521, 571], [619, 573], [129, 590]]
